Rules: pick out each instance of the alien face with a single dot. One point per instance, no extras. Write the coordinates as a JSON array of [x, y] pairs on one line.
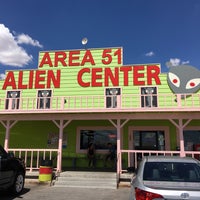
[[13, 94], [45, 93], [184, 79], [149, 90]]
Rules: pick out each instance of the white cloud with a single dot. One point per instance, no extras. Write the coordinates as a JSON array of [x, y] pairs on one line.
[[26, 39], [185, 62], [175, 62], [10, 52], [150, 54], [2, 76]]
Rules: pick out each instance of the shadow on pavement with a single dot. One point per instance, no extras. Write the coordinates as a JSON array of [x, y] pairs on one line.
[[6, 195]]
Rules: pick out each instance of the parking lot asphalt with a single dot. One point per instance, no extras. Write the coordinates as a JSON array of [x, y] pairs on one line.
[[34, 191]]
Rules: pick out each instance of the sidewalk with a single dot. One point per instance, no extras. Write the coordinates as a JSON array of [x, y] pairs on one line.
[[46, 192], [52, 193]]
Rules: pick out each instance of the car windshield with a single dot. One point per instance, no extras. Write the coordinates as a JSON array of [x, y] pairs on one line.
[[171, 171]]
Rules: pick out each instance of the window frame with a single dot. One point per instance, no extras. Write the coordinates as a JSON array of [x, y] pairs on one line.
[[40, 99], [78, 137], [112, 98], [15, 100], [145, 97], [188, 128], [131, 129]]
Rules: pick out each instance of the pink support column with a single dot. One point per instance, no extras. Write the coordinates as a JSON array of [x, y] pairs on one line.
[[59, 158], [182, 148], [119, 156], [180, 127], [8, 125], [178, 98], [61, 126], [118, 126], [6, 142]]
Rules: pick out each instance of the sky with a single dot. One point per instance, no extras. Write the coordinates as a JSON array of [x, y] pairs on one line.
[[150, 31]]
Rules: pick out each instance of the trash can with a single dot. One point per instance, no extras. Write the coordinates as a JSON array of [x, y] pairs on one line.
[[46, 170]]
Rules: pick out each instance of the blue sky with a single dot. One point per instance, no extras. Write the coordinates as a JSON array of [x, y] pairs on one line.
[[150, 31]]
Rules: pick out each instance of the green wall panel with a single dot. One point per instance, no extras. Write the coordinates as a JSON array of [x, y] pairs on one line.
[[31, 134]]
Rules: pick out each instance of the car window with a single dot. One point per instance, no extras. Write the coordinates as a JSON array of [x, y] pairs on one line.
[[171, 171]]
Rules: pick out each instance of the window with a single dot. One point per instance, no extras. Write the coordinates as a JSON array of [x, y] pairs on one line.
[[172, 171], [12, 101], [100, 138], [192, 140], [112, 99], [148, 97], [44, 97], [149, 140]]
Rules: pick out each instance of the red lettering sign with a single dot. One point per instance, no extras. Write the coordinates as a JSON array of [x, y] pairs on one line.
[[80, 79], [20, 81], [88, 58], [43, 79], [138, 73], [107, 57], [96, 75], [51, 78], [46, 60], [111, 76], [39, 79], [125, 71], [30, 82], [118, 53], [153, 73], [60, 57], [73, 58], [9, 81], [114, 78]]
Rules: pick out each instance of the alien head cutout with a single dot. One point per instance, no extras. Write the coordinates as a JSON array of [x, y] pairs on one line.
[[184, 79]]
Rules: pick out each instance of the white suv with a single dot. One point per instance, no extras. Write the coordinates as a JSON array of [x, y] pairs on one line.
[[166, 178]]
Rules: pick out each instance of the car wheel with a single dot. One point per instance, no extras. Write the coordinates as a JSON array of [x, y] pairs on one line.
[[18, 185]]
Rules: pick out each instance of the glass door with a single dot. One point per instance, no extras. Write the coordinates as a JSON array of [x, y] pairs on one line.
[[149, 140]]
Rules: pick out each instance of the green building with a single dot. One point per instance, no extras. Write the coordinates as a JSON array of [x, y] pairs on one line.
[[78, 97]]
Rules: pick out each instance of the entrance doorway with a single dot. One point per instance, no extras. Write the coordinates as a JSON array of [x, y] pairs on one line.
[[149, 140]]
